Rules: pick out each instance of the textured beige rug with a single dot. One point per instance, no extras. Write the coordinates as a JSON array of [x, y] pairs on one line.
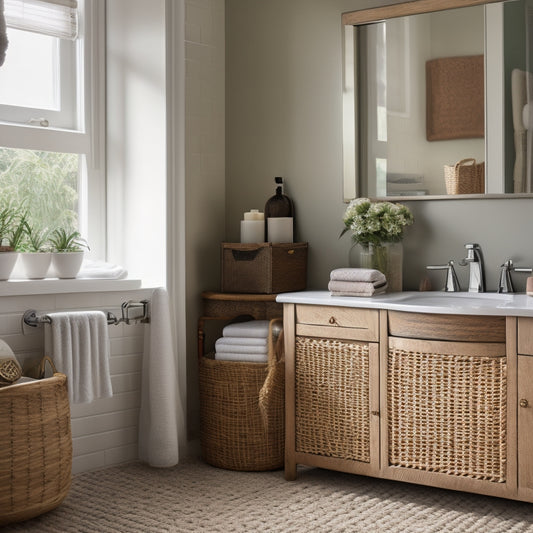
[[196, 497]]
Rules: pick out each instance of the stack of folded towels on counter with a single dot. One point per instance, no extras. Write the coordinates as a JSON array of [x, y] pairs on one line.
[[357, 282], [244, 341]]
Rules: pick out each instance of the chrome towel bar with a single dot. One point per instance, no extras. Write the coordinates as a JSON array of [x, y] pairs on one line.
[[31, 318]]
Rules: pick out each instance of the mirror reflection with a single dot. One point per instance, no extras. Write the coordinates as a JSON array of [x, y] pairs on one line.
[[437, 104]]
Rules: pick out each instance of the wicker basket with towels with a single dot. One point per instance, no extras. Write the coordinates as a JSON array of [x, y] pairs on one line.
[[242, 410], [465, 177]]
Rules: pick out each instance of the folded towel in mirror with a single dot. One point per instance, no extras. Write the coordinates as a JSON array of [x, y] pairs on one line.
[[368, 275]]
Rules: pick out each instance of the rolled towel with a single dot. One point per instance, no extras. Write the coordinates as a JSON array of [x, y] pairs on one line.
[[244, 357], [247, 341], [252, 328], [369, 275], [240, 348], [356, 288]]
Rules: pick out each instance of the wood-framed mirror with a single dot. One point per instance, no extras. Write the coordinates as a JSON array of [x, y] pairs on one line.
[[436, 100]]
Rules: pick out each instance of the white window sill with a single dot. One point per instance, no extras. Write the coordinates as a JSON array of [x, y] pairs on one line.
[[23, 287]]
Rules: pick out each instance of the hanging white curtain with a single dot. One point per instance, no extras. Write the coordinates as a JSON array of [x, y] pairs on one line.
[[58, 18]]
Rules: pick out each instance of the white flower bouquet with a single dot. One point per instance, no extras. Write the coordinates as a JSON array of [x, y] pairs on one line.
[[376, 222]]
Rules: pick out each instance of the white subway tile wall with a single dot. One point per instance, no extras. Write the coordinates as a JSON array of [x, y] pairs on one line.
[[104, 432]]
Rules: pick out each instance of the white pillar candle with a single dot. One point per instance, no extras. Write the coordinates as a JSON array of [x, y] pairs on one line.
[[280, 229], [252, 231], [254, 214]]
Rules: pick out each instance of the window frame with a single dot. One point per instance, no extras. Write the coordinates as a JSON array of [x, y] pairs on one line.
[[89, 138]]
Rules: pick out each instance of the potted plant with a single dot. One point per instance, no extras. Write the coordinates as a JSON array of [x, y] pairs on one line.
[[35, 256], [67, 252], [8, 255]]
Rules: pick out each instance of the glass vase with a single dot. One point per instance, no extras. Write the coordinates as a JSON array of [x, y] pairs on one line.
[[386, 257]]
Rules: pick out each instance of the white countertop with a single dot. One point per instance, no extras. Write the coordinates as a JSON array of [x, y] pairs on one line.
[[451, 303]]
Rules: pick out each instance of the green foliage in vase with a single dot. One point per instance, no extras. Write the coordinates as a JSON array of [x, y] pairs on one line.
[[376, 222], [65, 241]]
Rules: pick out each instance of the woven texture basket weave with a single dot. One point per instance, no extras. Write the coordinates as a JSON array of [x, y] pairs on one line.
[[242, 410], [36, 453], [332, 398], [456, 426], [465, 177]]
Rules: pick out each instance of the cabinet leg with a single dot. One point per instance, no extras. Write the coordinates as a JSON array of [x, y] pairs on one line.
[[290, 470]]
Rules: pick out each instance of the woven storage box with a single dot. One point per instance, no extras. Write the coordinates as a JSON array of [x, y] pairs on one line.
[[456, 426], [242, 411], [264, 268], [465, 177], [332, 398], [36, 453]]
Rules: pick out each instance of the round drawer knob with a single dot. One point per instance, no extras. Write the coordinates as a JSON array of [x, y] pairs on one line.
[[332, 320], [524, 403]]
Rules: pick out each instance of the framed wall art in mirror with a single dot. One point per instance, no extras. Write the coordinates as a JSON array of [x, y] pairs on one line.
[[430, 83]]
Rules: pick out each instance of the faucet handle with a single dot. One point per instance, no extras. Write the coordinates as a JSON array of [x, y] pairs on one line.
[[452, 283], [506, 282]]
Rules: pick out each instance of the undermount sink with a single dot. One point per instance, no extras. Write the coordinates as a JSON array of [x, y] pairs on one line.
[[451, 299]]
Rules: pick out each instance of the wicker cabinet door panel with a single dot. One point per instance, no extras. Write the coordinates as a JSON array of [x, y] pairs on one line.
[[447, 413], [332, 398]]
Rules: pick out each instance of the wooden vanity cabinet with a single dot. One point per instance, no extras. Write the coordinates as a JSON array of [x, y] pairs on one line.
[[416, 397], [331, 373]]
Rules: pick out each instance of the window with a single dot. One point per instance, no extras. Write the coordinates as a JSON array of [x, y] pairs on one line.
[[51, 115]]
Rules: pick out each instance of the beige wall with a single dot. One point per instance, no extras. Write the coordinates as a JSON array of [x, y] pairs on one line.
[[204, 171], [283, 118]]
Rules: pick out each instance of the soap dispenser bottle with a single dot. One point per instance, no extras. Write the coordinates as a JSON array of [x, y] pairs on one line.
[[279, 213], [279, 205]]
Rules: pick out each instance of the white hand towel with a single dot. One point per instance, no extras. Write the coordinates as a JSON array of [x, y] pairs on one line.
[[78, 343], [245, 357], [240, 348], [158, 418], [101, 270], [368, 275], [247, 341], [356, 288], [252, 328]]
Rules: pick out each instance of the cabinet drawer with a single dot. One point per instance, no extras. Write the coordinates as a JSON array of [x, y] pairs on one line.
[[337, 322], [525, 336], [463, 328]]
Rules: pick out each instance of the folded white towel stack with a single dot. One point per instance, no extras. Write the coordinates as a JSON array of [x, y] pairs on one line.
[[244, 341], [78, 343], [357, 282]]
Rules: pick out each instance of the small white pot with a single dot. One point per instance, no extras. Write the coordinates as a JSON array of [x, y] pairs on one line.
[[35, 265], [7, 263], [67, 264]]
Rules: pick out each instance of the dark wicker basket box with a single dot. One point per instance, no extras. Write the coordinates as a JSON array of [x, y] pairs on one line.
[[264, 268]]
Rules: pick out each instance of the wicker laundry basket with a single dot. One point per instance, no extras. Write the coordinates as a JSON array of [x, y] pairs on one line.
[[465, 177], [36, 448], [242, 410]]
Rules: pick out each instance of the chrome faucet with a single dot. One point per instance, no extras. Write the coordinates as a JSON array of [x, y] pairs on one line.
[[452, 283], [474, 257], [506, 283]]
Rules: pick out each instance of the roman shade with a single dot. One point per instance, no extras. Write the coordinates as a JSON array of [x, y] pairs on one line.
[[58, 18]]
